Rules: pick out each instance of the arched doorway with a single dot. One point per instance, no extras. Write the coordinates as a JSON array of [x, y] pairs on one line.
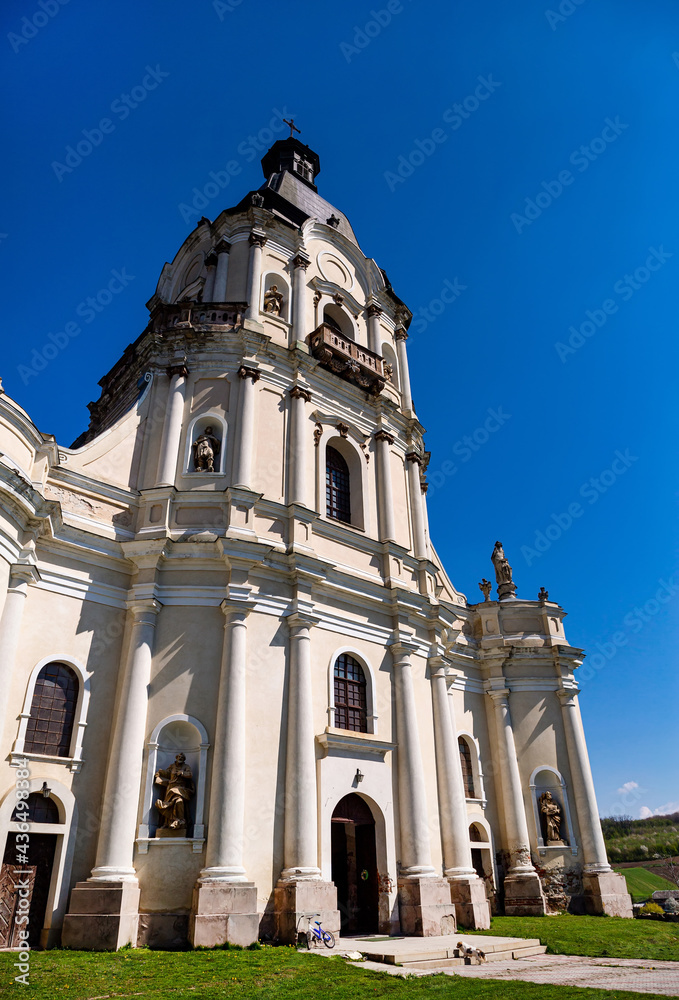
[[27, 867], [354, 865]]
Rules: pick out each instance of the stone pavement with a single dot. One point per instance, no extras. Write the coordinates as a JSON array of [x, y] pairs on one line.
[[631, 974]]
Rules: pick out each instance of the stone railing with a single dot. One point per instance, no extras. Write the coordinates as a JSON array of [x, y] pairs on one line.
[[347, 359], [194, 314]]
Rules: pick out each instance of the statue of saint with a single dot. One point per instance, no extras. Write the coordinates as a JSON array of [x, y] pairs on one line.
[[503, 571], [179, 789], [273, 301], [552, 813], [485, 587], [205, 451]]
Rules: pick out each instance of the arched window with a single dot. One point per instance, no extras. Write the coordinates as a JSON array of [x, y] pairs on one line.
[[466, 763], [350, 695], [40, 810], [337, 486], [50, 724]]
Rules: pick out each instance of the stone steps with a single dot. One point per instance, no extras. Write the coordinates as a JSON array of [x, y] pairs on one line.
[[433, 953], [500, 955]]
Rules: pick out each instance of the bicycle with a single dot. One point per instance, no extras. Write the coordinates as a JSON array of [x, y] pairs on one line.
[[316, 933]]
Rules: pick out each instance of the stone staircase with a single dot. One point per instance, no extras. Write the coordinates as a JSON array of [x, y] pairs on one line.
[[442, 952]]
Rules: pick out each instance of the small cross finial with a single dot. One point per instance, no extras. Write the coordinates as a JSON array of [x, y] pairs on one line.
[[293, 127]]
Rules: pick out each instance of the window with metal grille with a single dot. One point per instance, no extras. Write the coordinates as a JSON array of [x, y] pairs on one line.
[[50, 725], [350, 695], [337, 487], [467, 772]]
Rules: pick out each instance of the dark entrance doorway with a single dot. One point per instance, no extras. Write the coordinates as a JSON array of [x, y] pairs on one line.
[[354, 865], [39, 864]]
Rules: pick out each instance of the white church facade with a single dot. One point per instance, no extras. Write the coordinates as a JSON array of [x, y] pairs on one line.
[[238, 686]]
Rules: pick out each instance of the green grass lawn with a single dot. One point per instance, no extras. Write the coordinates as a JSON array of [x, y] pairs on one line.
[[599, 937], [641, 883], [272, 973]]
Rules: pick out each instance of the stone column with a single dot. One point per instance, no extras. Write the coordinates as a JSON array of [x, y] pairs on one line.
[[425, 904], [112, 891], [300, 888], [21, 574], [605, 891], [222, 250], [300, 264], [413, 461], [172, 428], [297, 446], [403, 370], [224, 902], [384, 488], [522, 887], [242, 471], [257, 241], [374, 338], [209, 286], [467, 890]]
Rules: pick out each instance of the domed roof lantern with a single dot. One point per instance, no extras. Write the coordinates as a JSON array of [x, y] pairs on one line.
[[291, 154]]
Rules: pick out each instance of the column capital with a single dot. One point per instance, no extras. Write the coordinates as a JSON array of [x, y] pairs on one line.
[[382, 435], [235, 612], [400, 333], [257, 238], [211, 259], [402, 649], [302, 619], [301, 260], [178, 369], [223, 246], [299, 392], [499, 694], [144, 611], [248, 371], [414, 456], [23, 572], [568, 695], [373, 309]]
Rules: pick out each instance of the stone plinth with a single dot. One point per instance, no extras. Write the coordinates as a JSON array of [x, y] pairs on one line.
[[606, 893], [224, 912], [102, 916], [164, 931], [472, 908], [524, 896], [425, 906], [295, 901]]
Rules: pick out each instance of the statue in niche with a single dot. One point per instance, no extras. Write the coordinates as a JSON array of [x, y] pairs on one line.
[[179, 790], [503, 571], [552, 814], [205, 451], [273, 301]]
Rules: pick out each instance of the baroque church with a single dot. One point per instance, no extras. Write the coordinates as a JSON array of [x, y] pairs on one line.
[[239, 688]]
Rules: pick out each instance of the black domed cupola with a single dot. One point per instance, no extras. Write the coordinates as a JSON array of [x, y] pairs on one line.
[[292, 155]]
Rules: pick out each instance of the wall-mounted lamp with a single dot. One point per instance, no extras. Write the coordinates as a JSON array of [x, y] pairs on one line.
[[46, 792], [358, 777]]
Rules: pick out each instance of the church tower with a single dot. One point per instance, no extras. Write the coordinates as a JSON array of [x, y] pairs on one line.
[[273, 702]]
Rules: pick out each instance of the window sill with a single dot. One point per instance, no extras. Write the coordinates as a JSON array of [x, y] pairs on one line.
[[355, 743], [16, 759], [477, 802]]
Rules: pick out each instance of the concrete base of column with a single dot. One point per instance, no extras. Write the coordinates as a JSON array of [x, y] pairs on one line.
[[426, 907], [224, 913], [101, 917], [524, 896], [472, 908], [295, 901], [606, 893]]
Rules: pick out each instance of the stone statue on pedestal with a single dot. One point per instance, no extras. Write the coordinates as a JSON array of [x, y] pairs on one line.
[[485, 587], [552, 813], [503, 573], [273, 301], [179, 789], [205, 451]]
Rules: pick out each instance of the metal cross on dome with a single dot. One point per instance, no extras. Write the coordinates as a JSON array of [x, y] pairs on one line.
[[293, 127]]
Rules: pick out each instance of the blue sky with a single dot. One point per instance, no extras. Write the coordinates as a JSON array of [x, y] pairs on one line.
[[545, 209]]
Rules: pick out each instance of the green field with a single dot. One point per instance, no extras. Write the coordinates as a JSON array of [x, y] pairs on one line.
[[641, 883], [273, 973], [598, 937]]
